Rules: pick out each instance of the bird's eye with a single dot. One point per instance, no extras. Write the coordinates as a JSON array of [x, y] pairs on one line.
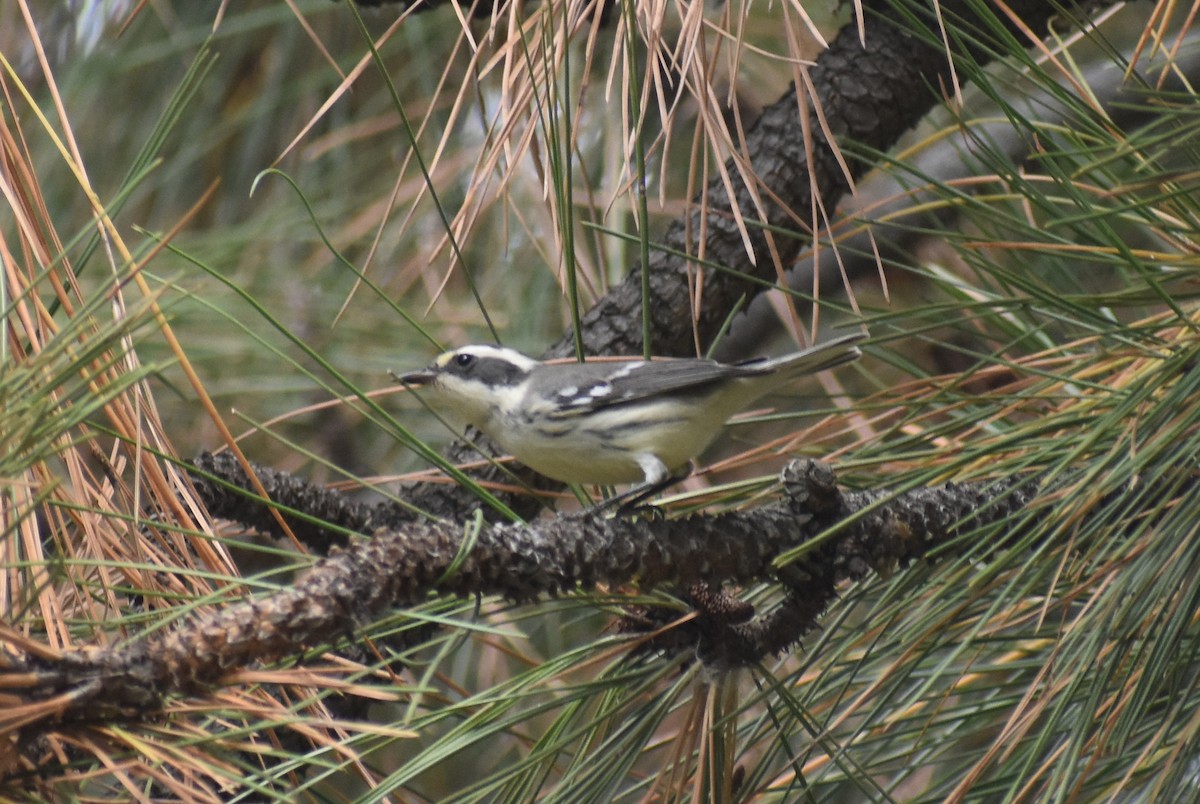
[[464, 360]]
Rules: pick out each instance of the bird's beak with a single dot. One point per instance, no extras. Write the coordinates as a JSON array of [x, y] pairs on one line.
[[418, 378]]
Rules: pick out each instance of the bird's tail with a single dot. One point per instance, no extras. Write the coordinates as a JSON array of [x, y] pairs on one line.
[[815, 358]]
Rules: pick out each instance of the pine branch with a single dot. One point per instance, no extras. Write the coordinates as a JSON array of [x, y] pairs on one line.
[[870, 88], [403, 566], [868, 95]]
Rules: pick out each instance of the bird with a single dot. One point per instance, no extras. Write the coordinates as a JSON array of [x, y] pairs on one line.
[[608, 422]]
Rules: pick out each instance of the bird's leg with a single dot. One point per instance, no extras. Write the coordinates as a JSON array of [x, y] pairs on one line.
[[657, 479]]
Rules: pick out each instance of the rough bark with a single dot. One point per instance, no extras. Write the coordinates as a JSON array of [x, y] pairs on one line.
[[400, 567]]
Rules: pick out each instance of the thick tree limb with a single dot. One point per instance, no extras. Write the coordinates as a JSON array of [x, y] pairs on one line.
[[401, 567], [1127, 99], [867, 93]]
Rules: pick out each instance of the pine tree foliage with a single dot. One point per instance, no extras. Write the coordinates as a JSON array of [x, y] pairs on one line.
[[223, 225]]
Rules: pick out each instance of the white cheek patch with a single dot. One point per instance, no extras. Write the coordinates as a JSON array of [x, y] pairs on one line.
[[469, 402]]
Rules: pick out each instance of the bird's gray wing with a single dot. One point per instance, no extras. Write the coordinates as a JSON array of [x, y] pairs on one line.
[[592, 386]]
